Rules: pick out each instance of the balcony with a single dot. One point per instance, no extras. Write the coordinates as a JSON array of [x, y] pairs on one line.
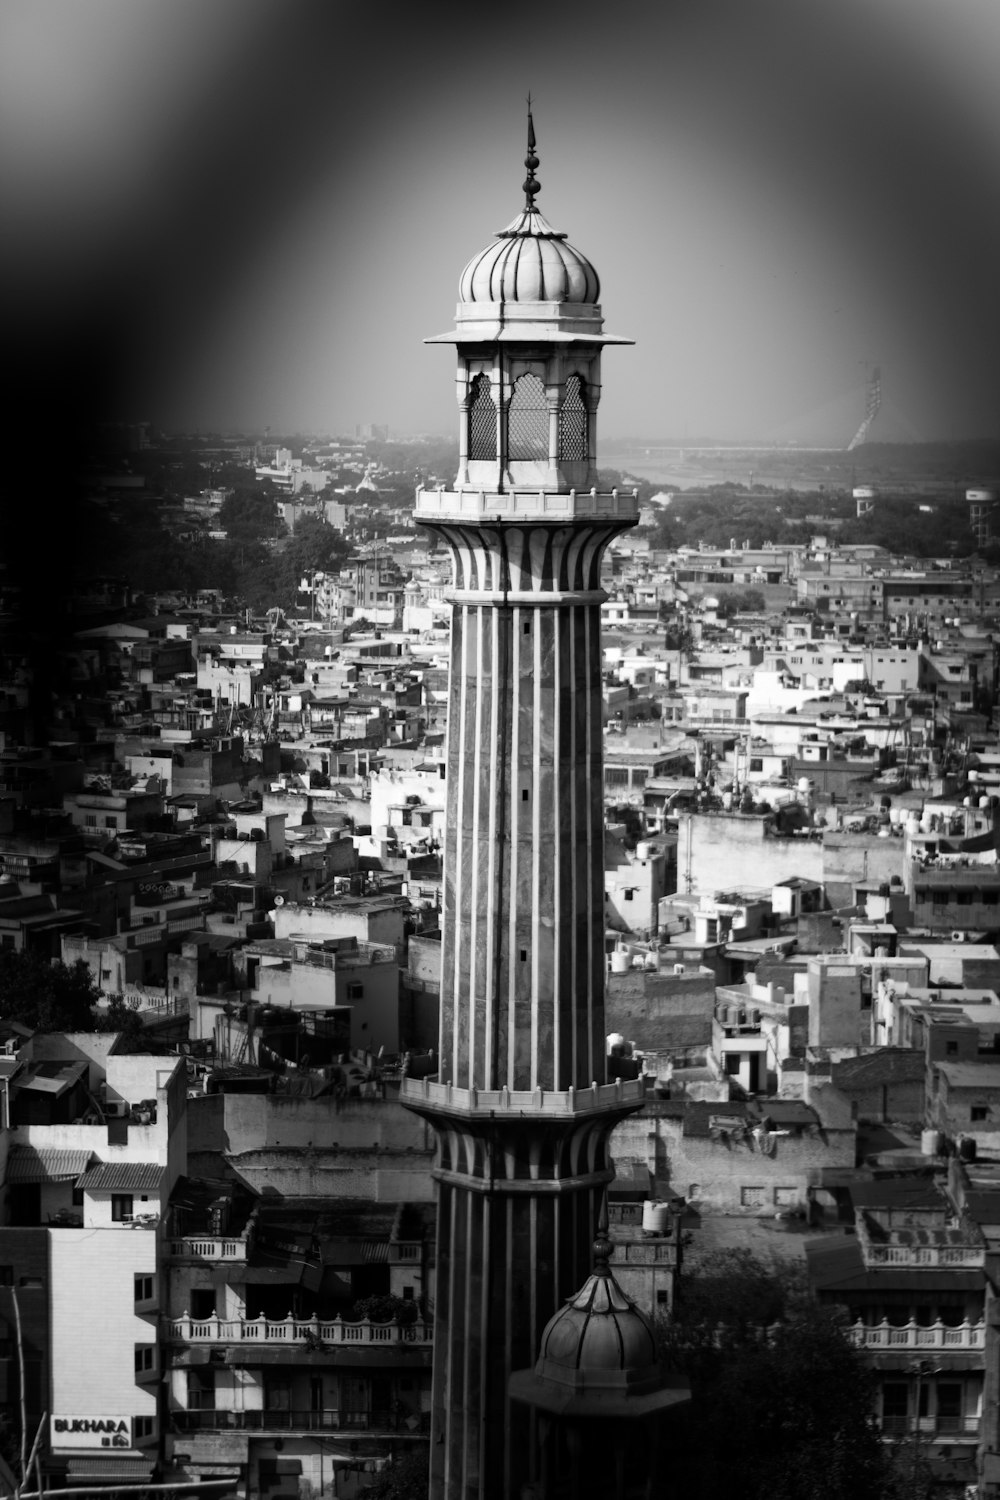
[[952, 1427], [207, 1247], [312, 1333], [417, 1093], [921, 1255], [292, 1420], [913, 1336]]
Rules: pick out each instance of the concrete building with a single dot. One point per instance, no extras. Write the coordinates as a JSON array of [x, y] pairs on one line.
[[522, 1113], [91, 1148]]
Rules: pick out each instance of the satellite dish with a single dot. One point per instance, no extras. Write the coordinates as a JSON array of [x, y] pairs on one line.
[[279, 900]]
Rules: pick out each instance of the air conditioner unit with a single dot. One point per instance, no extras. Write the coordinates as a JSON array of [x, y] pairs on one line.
[[959, 937], [116, 1109]]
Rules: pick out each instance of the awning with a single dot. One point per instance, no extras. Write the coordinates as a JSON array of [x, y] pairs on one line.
[[46, 1164], [123, 1177], [126, 1469]]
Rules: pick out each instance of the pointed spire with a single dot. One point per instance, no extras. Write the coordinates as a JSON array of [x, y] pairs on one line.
[[603, 1248], [531, 182]]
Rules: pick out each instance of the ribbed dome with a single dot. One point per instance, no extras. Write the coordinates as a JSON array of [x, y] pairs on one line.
[[529, 261], [600, 1339]]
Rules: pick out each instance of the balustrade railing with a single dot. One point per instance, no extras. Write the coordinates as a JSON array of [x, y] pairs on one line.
[[912, 1335], [312, 1333], [289, 1420]]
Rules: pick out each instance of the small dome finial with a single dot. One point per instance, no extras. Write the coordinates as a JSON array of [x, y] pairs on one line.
[[603, 1248], [531, 182]]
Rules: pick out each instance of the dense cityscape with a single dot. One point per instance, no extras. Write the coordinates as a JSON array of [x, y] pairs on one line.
[[500, 892]]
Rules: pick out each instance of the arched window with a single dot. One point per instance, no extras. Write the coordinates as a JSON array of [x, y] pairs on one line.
[[528, 420], [482, 420], [573, 421]]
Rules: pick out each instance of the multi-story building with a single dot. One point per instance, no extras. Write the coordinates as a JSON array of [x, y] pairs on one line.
[[912, 1278], [93, 1143]]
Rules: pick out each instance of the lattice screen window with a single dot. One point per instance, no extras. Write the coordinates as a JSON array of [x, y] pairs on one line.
[[528, 420], [482, 420], [573, 422]]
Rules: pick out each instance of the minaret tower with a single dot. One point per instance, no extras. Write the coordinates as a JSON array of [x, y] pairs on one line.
[[522, 1113]]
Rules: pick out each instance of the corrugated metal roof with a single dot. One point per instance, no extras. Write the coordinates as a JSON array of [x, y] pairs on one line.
[[375, 1251], [110, 1468], [45, 1164], [123, 1176]]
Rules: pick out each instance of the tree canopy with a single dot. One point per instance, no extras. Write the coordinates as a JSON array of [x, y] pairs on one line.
[[780, 1397], [44, 996]]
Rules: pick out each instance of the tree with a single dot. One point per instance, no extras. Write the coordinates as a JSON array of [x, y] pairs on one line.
[[405, 1478], [779, 1394], [743, 601], [250, 513], [46, 996]]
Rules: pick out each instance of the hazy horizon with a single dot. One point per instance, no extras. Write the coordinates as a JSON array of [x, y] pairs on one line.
[[250, 214]]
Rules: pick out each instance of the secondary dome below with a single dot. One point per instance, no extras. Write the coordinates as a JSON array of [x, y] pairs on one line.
[[529, 261]]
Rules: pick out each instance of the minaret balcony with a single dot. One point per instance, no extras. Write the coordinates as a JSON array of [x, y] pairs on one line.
[[444, 1098], [514, 506]]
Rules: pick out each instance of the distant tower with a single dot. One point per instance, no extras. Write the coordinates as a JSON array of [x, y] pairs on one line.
[[864, 499], [873, 400], [982, 513], [522, 1113]]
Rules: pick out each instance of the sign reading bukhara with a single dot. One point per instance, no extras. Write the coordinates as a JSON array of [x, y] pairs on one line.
[[90, 1432]]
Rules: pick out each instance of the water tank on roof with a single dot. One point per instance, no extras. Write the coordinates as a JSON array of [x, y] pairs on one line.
[[643, 851], [614, 1039], [619, 961], [655, 1218], [930, 1142]]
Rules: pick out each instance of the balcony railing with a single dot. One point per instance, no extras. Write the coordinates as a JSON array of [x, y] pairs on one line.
[[921, 1255], [930, 1426], [416, 1092], [285, 1420], [916, 1336], [313, 1333], [206, 1247]]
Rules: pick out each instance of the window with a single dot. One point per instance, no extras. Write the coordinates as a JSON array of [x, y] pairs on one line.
[[145, 1358], [979, 1112], [528, 420], [201, 1389], [6, 1275], [629, 895], [145, 1288], [951, 1049], [482, 423], [756, 763], [31, 1283], [145, 1427], [355, 992], [573, 422], [111, 821], [90, 820], [751, 1197], [202, 1302], [784, 1197], [949, 1405], [121, 1207]]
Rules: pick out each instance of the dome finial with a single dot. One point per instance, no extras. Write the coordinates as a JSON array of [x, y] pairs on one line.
[[531, 182], [603, 1248]]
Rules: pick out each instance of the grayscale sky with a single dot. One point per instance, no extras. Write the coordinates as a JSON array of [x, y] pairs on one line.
[[251, 212]]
